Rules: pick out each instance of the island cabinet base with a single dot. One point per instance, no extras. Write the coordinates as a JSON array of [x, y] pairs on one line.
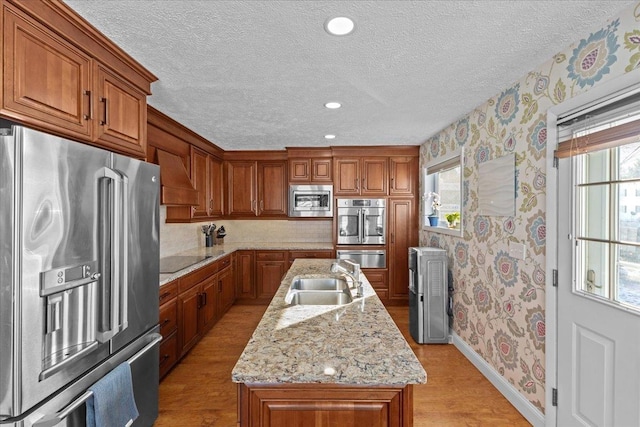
[[324, 405]]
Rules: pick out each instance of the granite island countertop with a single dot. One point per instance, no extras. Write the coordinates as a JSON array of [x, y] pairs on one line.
[[353, 344], [216, 252]]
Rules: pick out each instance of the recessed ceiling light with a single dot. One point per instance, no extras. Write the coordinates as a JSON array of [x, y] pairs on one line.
[[339, 26], [333, 105], [329, 136]]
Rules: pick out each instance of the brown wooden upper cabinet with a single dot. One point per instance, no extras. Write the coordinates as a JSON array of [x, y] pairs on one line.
[[57, 81], [256, 188], [310, 170], [206, 177], [360, 176], [403, 172]]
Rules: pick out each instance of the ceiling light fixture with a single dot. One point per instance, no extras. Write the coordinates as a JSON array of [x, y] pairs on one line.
[[333, 105], [329, 136], [339, 26]]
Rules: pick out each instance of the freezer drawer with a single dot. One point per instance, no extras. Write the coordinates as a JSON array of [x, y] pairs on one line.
[[366, 258], [68, 409]]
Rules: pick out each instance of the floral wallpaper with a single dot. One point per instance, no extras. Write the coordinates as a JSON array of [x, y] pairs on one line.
[[499, 301]]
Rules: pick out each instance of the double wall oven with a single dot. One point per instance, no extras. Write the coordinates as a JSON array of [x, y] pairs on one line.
[[362, 222]]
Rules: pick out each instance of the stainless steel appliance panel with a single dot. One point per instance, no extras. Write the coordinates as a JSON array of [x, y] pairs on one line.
[[366, 258], [310, 200], [79, 257], [68, 408], [54, 339], [428, 298], [141, 254], [361, 221]]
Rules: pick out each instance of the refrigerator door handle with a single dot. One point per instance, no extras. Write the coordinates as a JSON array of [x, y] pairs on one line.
[[53, 419], [118, 256], [124, 255]]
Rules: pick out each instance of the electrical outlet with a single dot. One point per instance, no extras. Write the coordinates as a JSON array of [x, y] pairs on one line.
[[517, 250]]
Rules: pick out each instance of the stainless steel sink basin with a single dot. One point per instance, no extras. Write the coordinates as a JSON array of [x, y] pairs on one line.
[[321, 297], [319, 284], [318, 290]]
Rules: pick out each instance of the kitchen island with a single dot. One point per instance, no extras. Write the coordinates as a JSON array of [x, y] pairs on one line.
[[323, 365]]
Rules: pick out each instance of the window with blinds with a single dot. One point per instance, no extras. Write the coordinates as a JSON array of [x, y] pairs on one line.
[[604, 144]]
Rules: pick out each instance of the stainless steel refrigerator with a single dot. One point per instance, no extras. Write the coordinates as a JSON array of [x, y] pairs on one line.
[[78, 277], [428, 295]]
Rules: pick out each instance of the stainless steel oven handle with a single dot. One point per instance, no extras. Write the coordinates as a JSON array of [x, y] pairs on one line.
[[361, 214]]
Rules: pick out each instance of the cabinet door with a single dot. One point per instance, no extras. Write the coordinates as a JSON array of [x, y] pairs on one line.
[[347, 177], [245, 285], [269, 275], [217, 187], [241, 188], [226, 290], [209, 304], [403, 234], [121, 124], [272, 183], [188, 308], [375, 176], [299, 170], [404, 175], [46, 80], [321, 171], [200, 181]]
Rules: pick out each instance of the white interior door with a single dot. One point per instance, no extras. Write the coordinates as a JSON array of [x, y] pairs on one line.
[[598, 328]]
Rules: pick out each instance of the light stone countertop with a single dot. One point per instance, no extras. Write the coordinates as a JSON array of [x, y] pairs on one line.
[[353, 344], [219, 251]]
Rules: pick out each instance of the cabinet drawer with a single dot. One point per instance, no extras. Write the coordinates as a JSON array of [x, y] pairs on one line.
[[310, 254], [192, 279], [168, 318], [224, 263], [168, 354], [377, 278], [168, 291], [270, 256]]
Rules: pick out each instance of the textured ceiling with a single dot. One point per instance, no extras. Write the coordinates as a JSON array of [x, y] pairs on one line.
[[256, 74]]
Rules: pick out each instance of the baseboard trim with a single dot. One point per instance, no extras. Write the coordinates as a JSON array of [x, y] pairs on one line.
[[526, 408]]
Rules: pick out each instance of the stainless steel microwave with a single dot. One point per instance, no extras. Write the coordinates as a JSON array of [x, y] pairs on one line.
[[311, 201]]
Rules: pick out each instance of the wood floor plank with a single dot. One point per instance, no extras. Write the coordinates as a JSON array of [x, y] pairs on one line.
[[199, 392]]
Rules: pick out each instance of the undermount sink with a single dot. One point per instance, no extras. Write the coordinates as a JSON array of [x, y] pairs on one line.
[[319, 283], [318, 291], [321, 298]]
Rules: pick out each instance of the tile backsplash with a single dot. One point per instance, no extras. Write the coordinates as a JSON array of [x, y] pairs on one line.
[[176, 238]]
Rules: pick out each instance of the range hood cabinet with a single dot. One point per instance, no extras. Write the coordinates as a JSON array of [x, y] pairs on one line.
[[176, 188]]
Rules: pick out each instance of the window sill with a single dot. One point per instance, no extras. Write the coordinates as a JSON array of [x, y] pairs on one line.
[[444, 230]]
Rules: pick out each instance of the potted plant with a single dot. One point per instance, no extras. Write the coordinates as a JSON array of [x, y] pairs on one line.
[[453, 219], [435, 206]]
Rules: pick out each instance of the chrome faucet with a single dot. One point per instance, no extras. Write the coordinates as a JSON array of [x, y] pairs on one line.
[[353, 272]]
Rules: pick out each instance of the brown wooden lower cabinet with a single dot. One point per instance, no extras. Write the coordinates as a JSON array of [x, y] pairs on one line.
[[324, 405], [190, 306]]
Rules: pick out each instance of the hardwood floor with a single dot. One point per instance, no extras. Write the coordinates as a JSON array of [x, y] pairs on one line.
[[199, 391]]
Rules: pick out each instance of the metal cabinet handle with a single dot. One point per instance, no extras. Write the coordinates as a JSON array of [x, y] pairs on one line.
[[106, 112], [165, 322], [90, 115], [261, 205]]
